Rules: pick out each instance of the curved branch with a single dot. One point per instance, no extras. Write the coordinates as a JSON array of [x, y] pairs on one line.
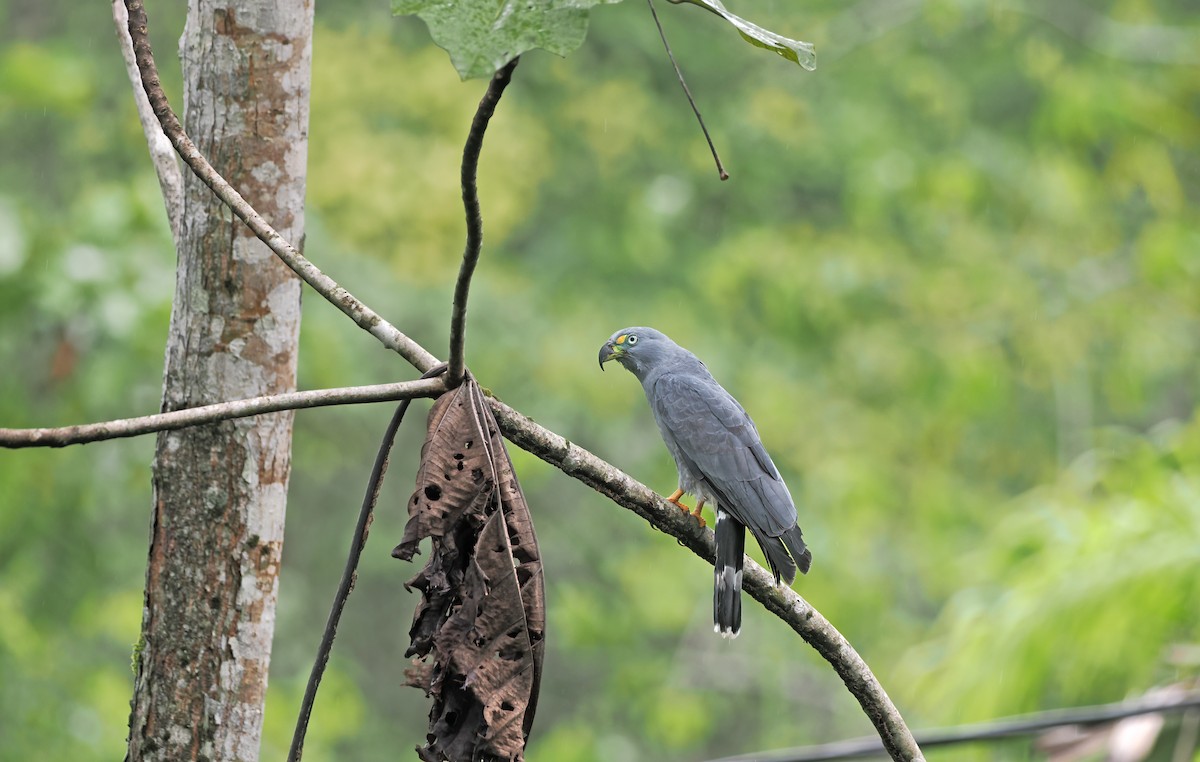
[[221, 411], [783, 602], [360, 313], [470, 197]]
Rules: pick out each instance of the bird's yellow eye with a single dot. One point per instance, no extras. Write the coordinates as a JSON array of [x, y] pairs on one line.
[[632, 339]]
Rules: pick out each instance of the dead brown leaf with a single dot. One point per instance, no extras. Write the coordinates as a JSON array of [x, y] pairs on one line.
[[482, 612]]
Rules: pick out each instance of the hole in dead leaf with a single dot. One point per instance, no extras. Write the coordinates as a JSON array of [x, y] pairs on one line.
[[511, 652], [433, 492], [506, 706]]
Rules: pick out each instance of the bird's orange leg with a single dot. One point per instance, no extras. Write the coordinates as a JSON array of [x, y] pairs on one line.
[[674, 499]]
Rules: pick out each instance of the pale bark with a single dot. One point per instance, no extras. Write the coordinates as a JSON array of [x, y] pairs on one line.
[[162, 153], [220, 489]]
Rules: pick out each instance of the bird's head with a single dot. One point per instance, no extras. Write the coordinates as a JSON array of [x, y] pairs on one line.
[[638, 349]]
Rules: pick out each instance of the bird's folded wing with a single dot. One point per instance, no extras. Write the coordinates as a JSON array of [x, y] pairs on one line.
[[713, 431]]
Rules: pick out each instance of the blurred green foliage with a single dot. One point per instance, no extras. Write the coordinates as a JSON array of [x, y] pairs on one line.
[[954, 278]]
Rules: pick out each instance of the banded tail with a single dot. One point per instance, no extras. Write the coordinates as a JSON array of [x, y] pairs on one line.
[[727, 573], [731, 545]]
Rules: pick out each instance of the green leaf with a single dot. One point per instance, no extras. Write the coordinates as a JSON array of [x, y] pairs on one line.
[[796, 51], [483, 35]]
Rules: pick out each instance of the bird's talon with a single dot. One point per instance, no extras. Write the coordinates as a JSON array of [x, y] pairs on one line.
[[673, 499]]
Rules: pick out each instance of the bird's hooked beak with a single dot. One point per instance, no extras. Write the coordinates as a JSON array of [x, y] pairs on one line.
[[608, 352]]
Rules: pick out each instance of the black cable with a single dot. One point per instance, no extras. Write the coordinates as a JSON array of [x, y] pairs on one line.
[[1022, 725]]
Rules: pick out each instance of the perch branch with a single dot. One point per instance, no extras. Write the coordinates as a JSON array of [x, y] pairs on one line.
[[683, 83], [470, 197], [221, 411], [162, 154], [360, 313], [358, 541], [783, 602]]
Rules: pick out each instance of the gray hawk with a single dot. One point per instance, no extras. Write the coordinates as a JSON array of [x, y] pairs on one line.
[[721, 460]]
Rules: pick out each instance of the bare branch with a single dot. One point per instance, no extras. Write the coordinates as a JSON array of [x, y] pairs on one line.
[[470, 197], [683, 83], [783, 602], [360, 313], [170, 177], [221, 411]]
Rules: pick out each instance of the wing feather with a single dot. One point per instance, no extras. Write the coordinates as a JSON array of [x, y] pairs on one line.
[[713, 432]]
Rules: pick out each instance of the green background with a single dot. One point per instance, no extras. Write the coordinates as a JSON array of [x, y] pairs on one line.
[[953, 278]]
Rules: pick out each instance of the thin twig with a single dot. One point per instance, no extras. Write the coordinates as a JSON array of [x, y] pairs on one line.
[[720, 167], [470, 197], [162, 154], [806, 621], [350, 573], [986, 731], [360, 313], [221, 411]]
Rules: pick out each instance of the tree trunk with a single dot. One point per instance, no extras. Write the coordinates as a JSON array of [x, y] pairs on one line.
[[220, 490]]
